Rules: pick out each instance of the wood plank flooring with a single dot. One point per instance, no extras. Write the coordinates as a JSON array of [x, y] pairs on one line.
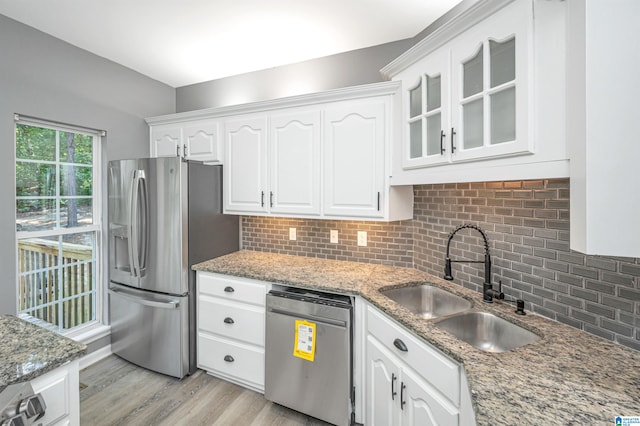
[[121, 393]]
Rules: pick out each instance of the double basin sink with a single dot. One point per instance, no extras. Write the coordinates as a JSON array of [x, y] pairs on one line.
[[453, 314]]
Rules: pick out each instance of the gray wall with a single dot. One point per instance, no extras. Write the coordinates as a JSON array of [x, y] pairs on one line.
[[352, 68], [44, 77]]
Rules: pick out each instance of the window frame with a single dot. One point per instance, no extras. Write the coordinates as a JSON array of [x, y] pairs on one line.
[[96, 227]]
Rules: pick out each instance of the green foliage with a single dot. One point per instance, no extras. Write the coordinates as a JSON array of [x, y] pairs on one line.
[[37, 176]]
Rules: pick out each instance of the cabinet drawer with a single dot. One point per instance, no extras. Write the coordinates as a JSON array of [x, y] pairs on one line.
[[231, 288], [434, 367], [244, 363], [234, 320]]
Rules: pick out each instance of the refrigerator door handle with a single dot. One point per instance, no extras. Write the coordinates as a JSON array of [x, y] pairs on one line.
[[139, 245], [173, 304], [132, 228], [142, 253]]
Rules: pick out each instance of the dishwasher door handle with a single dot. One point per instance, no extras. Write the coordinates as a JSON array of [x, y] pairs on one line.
[[322, 320]]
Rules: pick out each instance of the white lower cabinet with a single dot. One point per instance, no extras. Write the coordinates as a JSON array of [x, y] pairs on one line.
[[230, 322], [408, 382], [60, 389]]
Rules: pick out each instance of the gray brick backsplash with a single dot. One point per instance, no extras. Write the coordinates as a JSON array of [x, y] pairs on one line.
[[528, 226], [628, 268], [600, 286], [584, 317], [601, 310], [630, 343], [629, 294], [617, 327], [569, 321], [584, 294], [598, 331], [601, 263]]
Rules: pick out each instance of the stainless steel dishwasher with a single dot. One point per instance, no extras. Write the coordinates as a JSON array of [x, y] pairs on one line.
[[308, 353]]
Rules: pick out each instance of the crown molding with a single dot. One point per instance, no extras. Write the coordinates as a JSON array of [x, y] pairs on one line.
[[346, 93], [447, 31]]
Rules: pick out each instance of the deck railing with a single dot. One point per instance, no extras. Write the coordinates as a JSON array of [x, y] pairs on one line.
[[58, 291]]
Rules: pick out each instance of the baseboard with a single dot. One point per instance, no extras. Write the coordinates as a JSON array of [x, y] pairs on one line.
[[95, 356]]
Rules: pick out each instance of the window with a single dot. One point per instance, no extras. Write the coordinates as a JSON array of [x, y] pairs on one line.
[[57, 224]]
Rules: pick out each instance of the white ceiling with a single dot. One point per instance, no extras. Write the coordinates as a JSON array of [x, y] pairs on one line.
[[182, 42]]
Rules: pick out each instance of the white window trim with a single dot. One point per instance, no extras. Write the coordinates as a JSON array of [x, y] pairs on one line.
[[97, 328]]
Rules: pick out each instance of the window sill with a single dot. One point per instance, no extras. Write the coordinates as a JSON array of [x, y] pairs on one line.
[[90, 333]]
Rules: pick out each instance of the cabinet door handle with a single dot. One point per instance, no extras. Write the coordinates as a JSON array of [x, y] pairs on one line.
[[261, 198], [184, 150], [229, 289], [228, 320], [400, 345], [393, 392], [378, 201], [177, 150], [270, 198], [228, 358], [453, 147], [442, 150], [402, 401]]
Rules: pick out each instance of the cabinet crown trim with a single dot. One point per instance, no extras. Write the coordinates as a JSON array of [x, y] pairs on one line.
[[352, 92], [457, 24]]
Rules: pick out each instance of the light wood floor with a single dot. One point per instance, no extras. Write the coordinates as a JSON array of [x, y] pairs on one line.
[[115, 392]]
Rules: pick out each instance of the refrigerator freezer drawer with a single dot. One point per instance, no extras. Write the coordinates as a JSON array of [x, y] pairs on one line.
[[150, 330]]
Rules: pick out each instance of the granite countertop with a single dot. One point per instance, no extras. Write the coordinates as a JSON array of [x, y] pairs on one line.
[[28, 351], [566, 377]]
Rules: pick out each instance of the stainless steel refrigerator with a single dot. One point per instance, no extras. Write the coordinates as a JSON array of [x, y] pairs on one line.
[[164, 216]]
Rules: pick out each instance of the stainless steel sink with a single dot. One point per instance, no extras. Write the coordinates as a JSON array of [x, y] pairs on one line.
[[487, 332], [428, 301]]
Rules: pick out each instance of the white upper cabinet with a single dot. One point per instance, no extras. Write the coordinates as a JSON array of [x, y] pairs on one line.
[[245, 170], [603, 127], [471, 90], [273, 164], [166, 141], [295, 163], [489, 87], [201, 141], [196, 140], [354, 159], [426, 112], [320, 155]]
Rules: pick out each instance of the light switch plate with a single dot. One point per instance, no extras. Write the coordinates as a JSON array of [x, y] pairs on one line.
[[333, 236], [292, 234], [362, 238]]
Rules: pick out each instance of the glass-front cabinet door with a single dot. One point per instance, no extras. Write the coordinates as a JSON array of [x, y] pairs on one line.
[[427, 107], [470, 98], [489, 92]]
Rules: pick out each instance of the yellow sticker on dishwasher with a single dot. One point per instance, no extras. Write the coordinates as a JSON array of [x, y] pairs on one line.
[[305, 340]]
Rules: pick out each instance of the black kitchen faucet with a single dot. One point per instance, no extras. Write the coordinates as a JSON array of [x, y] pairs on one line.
[[488, 293]]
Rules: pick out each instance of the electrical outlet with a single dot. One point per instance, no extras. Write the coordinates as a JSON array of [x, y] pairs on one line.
[[333, 236], [292, 234], [362, 238]]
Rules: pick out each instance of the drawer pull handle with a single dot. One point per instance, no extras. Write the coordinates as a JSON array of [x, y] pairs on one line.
[[453, 147], [229, 289], [228, 320], [393, 392], [402, 401], [228, 358], [400, 345]]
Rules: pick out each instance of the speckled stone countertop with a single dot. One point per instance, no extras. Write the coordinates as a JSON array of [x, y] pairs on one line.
[[27, 351], [566, 377]]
